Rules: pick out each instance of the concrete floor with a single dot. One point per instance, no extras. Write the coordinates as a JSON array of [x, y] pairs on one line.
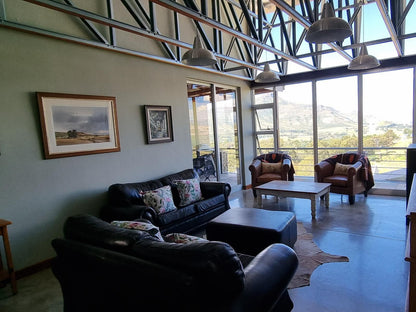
[[371, 233]]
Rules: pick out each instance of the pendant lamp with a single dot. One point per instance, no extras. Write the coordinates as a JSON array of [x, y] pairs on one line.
[[329, 28], [363, 60], [267, 75], [198, 56]]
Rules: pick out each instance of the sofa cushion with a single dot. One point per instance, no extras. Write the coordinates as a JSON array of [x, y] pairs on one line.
[[337, 180], [126, 194], [267, 177], [210, 203], [141, 226], [182, 175], [92, 230], [160, 199], [271, 167], [179, 214], [208, 262], [341, 169], [189, 191]]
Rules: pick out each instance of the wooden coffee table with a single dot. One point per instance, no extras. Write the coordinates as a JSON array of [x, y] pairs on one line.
[[297, 189]]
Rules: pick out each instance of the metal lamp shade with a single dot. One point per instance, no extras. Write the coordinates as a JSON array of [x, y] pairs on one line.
[[329, 28], [267, 75], [198, 56], [363, 60]]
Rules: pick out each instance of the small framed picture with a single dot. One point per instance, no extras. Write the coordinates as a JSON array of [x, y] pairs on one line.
[[158, 124], [74, 125]]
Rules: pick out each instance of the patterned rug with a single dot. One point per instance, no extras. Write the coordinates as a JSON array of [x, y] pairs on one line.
[[310, 257]]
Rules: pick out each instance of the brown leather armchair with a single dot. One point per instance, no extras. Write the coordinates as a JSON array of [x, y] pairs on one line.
[[354, 179], [260, 176]]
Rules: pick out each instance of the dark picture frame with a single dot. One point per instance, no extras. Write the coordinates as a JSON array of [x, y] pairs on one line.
[[74, 124], [158, 124]]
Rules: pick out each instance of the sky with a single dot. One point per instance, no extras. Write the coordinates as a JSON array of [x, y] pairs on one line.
[[92, 120]]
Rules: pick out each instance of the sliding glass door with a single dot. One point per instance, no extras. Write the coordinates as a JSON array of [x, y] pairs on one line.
[[214, 132]]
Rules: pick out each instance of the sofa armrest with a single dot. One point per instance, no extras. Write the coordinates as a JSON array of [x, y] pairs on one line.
[[127, 213], [352, 171], [255, 167], [211, 189], [267, 278], [323, 169]]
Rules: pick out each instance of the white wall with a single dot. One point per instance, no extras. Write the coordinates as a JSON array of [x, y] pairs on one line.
[[37, 194]]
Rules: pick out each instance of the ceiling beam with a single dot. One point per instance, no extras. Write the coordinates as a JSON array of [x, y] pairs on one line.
[[129, 28], [305, 23], [174, 6], [343, 71], [384, 14]]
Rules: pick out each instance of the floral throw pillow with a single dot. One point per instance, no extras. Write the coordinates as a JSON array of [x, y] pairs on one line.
[[159, 199], [141, 226], [180, 238], [189, 191]]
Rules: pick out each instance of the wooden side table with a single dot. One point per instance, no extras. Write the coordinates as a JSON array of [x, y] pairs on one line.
[[9, 273]]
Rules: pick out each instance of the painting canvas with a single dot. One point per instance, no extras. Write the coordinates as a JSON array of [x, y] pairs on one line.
[[158, 124], [75, 125]]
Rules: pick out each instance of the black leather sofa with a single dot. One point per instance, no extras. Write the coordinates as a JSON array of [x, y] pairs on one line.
[[101, 267], [126, 203]]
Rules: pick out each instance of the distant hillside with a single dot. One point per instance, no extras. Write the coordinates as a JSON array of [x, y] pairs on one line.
[[298, 118]]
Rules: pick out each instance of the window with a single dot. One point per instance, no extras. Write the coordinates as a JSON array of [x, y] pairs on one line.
[[387, 125], [369, 113], [337, 116], [296, 126], [265, 120]]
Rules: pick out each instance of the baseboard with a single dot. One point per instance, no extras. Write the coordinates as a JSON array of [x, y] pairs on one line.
[[247, 187], [46, 264]]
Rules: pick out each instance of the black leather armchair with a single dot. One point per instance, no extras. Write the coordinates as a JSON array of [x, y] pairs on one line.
[[104, 268]]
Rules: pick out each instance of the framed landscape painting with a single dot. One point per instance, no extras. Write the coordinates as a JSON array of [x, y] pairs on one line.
[[74, 125], [158, 124]]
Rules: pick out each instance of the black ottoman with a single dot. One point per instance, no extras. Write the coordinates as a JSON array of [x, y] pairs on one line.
[[250, 230]]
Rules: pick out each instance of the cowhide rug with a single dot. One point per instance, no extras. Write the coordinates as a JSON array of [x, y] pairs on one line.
[[310, 257]]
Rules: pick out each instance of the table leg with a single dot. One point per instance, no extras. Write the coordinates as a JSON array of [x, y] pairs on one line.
[[259, 199], [327, 200], [313, 207]]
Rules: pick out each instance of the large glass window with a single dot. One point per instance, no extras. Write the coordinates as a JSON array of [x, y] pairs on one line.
[[295, 124], [369, 113], [337, 112], [387, 125], [264, 120]]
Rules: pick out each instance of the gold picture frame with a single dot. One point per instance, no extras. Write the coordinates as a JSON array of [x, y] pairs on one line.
[[74, 125]]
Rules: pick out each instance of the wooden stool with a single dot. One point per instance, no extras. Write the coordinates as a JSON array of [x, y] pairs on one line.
[[7, 274]]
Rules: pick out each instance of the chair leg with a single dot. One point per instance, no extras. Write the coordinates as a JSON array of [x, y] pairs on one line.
[[365, 193], [351, 199], [254, 193]]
